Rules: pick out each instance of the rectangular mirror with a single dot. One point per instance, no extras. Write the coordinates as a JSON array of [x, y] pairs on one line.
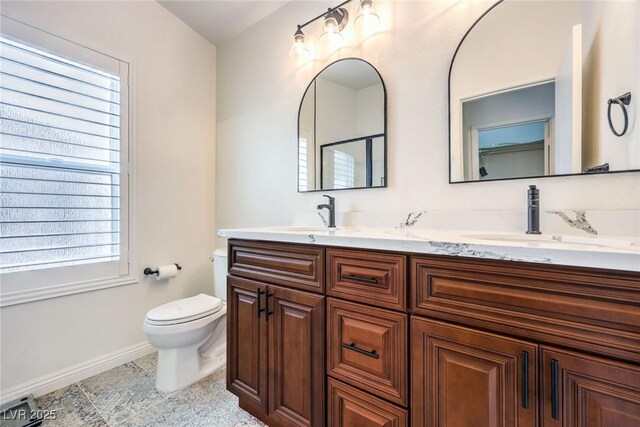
[[546, 88], [342, 129]]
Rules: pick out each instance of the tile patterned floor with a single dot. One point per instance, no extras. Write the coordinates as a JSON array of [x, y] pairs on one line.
[[126, 396]]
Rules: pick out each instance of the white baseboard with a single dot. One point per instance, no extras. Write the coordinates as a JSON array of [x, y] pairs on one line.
[[73, 374]]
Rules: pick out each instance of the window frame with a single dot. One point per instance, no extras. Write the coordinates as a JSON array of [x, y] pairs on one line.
[[39, 284]]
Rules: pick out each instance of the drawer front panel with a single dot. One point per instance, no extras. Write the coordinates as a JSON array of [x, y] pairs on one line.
[[368, 348], [587, 311], [368, 277], [350, 407], [297, 266]]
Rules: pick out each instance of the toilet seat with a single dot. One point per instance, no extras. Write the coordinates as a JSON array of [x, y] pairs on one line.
[[184, 310]]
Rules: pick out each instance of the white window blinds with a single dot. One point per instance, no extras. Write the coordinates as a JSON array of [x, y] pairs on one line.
[[59, 161], [343, 170]]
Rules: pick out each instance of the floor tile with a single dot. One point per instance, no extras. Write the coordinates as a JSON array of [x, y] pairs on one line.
[[122, 392], [173, 411], [72, 408], [126, 396], [148, 363], [205, 403]]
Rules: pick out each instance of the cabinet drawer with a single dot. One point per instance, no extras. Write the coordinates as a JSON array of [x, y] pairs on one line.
[[369, 277], [350, 407], [297, 266], [368, 348], [591, 310]]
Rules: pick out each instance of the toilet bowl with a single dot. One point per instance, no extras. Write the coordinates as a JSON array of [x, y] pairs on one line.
[[190, 335]]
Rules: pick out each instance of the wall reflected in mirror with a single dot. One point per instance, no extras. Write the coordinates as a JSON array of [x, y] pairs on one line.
[[529, 90], [342, 129]]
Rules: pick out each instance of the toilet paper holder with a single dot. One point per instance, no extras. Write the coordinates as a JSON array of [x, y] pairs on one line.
[[149, 271]]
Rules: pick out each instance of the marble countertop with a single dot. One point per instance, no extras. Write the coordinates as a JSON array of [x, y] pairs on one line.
[[619, 253]]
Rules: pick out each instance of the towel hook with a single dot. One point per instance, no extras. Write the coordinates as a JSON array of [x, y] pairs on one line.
[[622, 101]]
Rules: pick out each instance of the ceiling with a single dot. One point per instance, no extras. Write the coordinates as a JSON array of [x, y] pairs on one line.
[[220, 20], [352, 73]]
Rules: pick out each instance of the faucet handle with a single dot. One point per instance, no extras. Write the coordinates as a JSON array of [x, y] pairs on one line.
[[331, 199]]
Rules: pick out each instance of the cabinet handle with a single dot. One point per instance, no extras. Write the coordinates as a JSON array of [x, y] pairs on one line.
[[360, 278], [355, 348], [266, 304], [555, 396], [258, 309], [525, 379]]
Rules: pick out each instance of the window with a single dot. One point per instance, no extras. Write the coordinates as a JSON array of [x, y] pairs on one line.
[[63, 163], [343, 170]]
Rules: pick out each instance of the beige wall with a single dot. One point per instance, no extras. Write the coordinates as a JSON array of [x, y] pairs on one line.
[[173, 89]]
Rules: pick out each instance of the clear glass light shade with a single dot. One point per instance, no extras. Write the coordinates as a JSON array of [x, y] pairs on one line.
[[368, 18], [299, 48], [331, 31]]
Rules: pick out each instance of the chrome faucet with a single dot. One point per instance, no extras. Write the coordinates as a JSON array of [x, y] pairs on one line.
[[331, 206], [533, 210]]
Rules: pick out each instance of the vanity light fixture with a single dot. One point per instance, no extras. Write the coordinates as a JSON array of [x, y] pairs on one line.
[[335, 20], [367, 17]]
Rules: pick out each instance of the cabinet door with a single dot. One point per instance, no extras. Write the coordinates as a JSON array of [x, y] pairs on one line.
[[585, 391], [466, 378], [247, 352], [296, 353]]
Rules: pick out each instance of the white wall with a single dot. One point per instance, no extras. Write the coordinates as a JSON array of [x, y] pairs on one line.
[[336, 110], [258, 99], [173, 91], [370, 110], [612, 72]]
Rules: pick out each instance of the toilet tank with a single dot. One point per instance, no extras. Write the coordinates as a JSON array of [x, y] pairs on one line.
[[220, 273]]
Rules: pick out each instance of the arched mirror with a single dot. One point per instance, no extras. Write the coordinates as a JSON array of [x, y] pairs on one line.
[[342, 129], [544, 88]]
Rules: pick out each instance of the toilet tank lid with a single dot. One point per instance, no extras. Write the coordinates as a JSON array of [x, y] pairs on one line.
[[184, 308], [220, 252]]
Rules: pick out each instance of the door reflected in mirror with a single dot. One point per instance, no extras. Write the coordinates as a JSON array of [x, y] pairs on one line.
[[529, 91], [342, 129]]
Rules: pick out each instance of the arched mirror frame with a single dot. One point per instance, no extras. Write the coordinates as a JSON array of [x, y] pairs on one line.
[[453, 60], [385, 132]]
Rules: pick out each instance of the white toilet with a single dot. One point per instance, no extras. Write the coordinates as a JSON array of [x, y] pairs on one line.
[[190, 334]]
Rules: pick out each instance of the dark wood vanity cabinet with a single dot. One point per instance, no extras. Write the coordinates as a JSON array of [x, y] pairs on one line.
[[275, 356], [435, 341], [489, 332]]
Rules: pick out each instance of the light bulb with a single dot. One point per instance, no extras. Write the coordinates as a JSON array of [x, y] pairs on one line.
[[331, 29], [368, 18], [299, 49]]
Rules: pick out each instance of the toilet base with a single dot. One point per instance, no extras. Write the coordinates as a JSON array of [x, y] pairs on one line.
[[181, 367]]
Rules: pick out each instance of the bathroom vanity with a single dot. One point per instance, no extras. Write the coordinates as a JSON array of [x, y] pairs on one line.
[[324, 331]]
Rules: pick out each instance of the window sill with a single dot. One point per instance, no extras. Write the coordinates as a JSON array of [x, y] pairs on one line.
[[21, 297]]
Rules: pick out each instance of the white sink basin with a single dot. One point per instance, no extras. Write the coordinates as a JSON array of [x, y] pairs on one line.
[[530, 239], [301, 229], [310, 230]]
